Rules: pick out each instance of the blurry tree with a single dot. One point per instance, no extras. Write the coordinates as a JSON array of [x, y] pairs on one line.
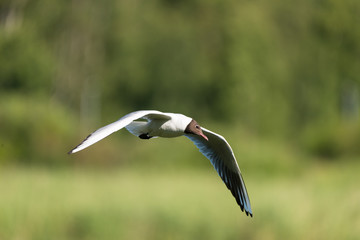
[[279, 68]]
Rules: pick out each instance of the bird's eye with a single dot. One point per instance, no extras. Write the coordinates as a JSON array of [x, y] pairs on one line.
[[197, 126]]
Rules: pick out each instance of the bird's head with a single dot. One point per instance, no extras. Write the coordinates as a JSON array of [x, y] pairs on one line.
[[194, 128]]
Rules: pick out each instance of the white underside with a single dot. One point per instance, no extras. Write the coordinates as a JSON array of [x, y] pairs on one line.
[[174, 127]]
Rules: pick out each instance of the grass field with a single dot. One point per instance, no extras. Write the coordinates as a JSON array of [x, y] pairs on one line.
[[321, 202]]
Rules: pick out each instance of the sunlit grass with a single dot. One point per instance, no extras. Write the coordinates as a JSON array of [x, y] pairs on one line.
[[319, 203]]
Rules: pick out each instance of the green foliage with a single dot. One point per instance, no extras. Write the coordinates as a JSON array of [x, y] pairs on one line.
[[276, 68], [34, 131], [333, 140], [25, 65]]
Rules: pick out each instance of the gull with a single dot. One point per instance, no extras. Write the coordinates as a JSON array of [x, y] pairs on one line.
[[147, 124]]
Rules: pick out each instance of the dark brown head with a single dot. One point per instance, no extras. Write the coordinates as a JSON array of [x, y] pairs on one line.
[[194, 128]]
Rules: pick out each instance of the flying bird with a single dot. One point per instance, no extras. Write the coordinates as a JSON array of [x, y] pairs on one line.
[[169, 125]]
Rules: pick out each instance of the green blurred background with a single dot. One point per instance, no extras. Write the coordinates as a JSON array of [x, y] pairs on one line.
[[279, 79]]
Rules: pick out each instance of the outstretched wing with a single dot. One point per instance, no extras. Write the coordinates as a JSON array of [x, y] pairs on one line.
[[220, 154], [116, 126]]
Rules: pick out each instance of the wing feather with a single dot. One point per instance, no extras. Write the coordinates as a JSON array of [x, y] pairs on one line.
[[116, 126], [220, 154]]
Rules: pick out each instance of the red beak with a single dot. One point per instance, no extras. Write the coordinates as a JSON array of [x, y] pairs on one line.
[[203, 135]]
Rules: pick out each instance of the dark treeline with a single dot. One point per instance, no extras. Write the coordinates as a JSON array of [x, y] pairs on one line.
[[280, 68]]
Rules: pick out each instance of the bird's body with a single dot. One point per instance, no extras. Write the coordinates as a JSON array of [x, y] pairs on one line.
[[172, 125], [169, 125]]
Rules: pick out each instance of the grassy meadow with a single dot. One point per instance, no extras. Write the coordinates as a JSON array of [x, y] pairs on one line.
[[304, 200]]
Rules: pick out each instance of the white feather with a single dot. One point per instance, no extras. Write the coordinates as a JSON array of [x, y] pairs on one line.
[[137, 128], [116, 126]]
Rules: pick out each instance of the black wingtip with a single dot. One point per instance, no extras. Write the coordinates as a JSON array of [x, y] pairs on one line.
[[247, 213]]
